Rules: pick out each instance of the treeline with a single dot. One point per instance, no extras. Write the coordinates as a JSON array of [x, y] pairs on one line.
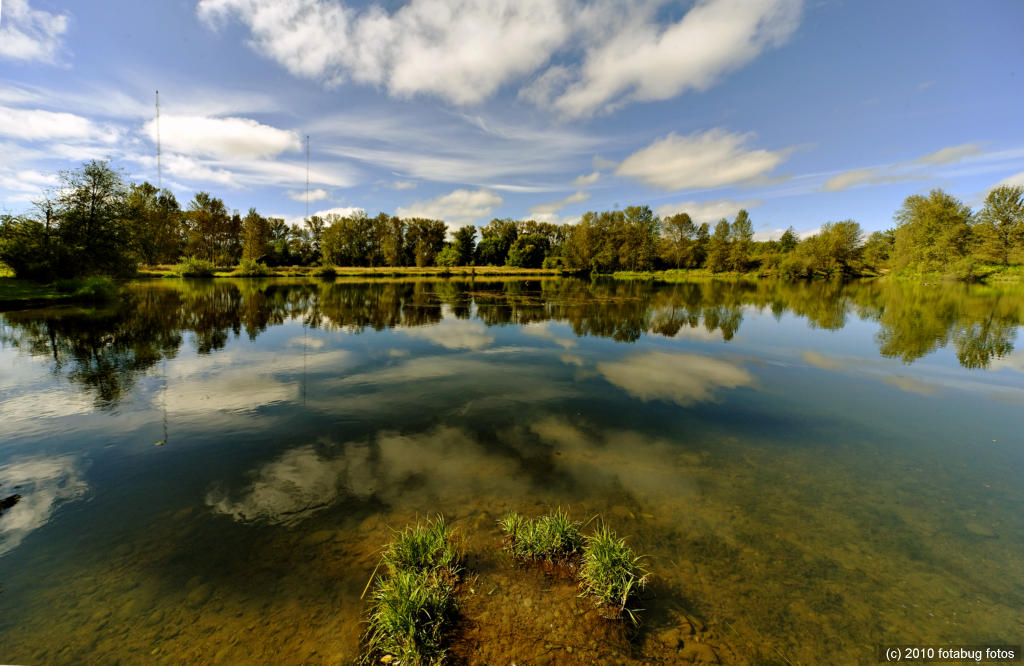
[[95, 223]]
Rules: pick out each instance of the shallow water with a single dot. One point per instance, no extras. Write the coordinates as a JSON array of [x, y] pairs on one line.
[[208, 469]]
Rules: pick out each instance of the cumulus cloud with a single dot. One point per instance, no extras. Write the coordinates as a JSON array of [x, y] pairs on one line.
[[457, 208], [680, 378], [460, 50], [222, 138], [28, 34], [706, 211], [640, 60], [463, 51], [453, 334], [702, 159]]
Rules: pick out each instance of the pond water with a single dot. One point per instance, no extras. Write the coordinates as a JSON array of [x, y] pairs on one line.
[[207, 470]]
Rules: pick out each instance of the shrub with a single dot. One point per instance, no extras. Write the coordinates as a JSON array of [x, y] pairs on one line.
[[553, 262], [251, 268], [326, 272], [194, 267], [611, 572]]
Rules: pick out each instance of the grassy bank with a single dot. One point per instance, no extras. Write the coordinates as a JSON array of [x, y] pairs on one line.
[[984, 273], [172, 270]]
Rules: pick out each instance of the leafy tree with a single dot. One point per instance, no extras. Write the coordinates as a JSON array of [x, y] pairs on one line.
[[834, 249], [449, 256], [424, 239], [878, 248], [315, 228], [788, 240], [679, 239], [393, 246], [465, 244], [501, 234], [638, 238], [91, 237], [528, 251], [1000, 225], [719, 247], [208, 225], [255, 236], [489, 252], [933, 232], [153, 219], [742, 237]]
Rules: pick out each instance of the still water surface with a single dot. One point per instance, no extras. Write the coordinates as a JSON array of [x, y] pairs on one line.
[[207, 469]]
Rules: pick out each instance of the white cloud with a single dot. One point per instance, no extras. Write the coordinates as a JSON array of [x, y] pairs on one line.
[[950, 155], [453, 334], [403, 185], [706, 211], [639, 60], [1016, 179], [588, 179], [30, 34], [901, 171], [680, 378], [463, 51], [318, 194], [457, 208], [460, 50], [702, 159], [222, 138], [545, 211], [42, 125]]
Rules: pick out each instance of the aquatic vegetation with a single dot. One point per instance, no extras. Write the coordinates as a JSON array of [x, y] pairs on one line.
[[408, 617], [326, 272], [413, 601], [611, 572], [88, 289], [553, 537]]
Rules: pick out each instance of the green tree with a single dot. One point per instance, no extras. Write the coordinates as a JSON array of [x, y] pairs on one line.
[[1000, 225], [393, 246], [465, 244], [788, 240], [933, 232], [679, 237], [742, 241], [207, 227], [528, 251], [424, 239], [449, 256], [315, 228], [255, 236], [153, 219], [878, 248], [91, 235], [719, 247], [639, 231], [499, 236]]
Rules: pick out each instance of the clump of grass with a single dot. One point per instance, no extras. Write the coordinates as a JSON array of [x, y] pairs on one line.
[[251, 268], [88, 289], [414, 599], [611, 572], [408, 617], [553, 537], [326, 272], [195, 267]]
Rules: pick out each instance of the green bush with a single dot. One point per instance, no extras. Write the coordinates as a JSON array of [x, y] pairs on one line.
[[610, 572], [326, 272], [553, 537], [251, 268], [553, 262], [88, 289], [194, 267]]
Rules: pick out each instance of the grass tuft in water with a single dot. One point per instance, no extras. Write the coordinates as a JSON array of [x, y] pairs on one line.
[[414, 600], [611, 572], [553, 537]]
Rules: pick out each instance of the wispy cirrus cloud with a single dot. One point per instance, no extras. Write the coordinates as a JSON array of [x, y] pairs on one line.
[[915, 169]]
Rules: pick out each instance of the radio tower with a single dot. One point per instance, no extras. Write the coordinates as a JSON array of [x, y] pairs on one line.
[[159, 169], [307, 176]]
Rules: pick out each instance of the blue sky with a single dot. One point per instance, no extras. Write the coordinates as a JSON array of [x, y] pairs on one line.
[[803, 112]]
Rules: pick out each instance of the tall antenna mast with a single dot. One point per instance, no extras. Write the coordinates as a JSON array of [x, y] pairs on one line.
[[159, 169], [307, 176]]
